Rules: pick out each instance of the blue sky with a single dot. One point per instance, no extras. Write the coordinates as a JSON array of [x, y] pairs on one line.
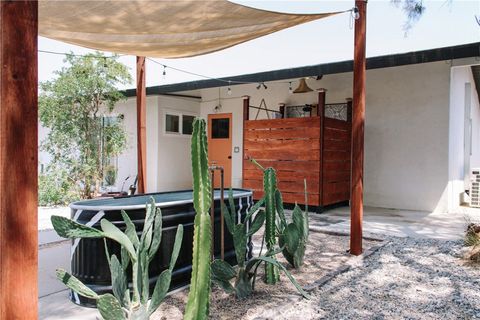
[[444, 23]]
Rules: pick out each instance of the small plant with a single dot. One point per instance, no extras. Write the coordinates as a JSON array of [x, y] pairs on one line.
[[110, 175], [199, 295], [246, 272], [293, 236], [125, 303], [472, 235]]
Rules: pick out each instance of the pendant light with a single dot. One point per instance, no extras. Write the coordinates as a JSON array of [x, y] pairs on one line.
[[302, 87]]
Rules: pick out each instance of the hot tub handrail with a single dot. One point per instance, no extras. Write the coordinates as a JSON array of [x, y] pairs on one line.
[[212, 169]]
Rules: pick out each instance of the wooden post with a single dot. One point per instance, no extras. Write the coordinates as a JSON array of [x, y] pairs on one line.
[[349, 109], [18, 160], [321, 101], [321, 113], [246, 117], [141, 126], [358, 124]]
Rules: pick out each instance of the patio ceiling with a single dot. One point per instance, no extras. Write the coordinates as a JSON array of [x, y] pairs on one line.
[[166, 29]]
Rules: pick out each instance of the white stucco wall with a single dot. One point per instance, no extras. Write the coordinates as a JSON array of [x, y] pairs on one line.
[[406, 130], [414, 132], [462, 98], [168, 156]]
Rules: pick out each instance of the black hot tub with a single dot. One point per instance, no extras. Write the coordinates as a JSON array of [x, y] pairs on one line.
[[88, 260]]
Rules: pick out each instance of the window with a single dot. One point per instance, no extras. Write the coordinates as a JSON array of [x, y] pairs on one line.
[[172, 123], [220, 128], [178, 124], [187, 124]]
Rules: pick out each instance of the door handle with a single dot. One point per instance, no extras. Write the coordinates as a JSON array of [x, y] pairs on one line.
[[229, 157]]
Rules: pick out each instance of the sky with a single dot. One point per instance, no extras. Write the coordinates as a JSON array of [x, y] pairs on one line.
[[444, 23]]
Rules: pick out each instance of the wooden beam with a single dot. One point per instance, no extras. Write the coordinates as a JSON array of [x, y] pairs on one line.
[[18, 160], [141, 126], [358, 127]]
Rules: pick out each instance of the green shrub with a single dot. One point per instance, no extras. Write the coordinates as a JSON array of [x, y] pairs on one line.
[[55, 189]]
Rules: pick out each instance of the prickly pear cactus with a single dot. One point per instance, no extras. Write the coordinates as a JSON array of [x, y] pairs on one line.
[[199, 295]]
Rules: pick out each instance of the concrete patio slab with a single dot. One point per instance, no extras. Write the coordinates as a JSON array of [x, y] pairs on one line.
[[402, 223]]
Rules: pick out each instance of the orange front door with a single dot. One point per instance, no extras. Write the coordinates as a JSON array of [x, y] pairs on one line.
[[220, 145]]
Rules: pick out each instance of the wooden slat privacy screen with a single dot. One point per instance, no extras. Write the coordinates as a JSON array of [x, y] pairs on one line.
[[295, 148]]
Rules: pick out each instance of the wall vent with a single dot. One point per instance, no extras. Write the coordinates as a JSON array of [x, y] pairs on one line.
[[475, 188]]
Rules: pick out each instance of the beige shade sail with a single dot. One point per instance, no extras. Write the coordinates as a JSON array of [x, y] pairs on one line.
[[164, 29]]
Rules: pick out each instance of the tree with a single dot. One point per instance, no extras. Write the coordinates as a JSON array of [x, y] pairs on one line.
[[77, 106], [414, 9]]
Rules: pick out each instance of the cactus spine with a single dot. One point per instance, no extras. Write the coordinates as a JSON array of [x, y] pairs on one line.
[[198, 297]]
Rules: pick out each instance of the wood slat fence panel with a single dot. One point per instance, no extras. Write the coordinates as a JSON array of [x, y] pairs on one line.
[[298, 149], [336, 157], [291, 146]]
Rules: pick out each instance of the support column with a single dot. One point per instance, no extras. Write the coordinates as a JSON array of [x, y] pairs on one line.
[[358, 126], [321, 113], [141, 126], [18, 160], [246, 117]]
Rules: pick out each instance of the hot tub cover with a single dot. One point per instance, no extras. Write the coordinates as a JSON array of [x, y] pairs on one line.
[[166, 29]]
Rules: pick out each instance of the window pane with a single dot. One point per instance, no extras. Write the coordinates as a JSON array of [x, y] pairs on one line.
[[172, 123], [187, 124], [220, 128]]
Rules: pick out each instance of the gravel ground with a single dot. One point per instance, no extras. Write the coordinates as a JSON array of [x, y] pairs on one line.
[[406, 279], [325, 254]]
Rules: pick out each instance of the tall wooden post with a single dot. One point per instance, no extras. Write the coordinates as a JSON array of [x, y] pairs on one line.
[[246, 117], [358, 125], [18, 160], [321, 113], [141, 125]]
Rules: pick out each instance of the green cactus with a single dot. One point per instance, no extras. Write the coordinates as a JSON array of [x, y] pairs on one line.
[[272, 274], [223, 273], [199, 295], [293, 236], [139, 252]]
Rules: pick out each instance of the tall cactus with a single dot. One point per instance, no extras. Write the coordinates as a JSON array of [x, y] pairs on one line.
[[272, 274], [244, 275], [198, 297], [124, 304]]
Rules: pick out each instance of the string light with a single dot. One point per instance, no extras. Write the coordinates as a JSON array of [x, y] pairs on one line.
[[164, 73]]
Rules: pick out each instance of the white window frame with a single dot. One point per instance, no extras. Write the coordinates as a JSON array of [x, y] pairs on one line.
[[180, 114]]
